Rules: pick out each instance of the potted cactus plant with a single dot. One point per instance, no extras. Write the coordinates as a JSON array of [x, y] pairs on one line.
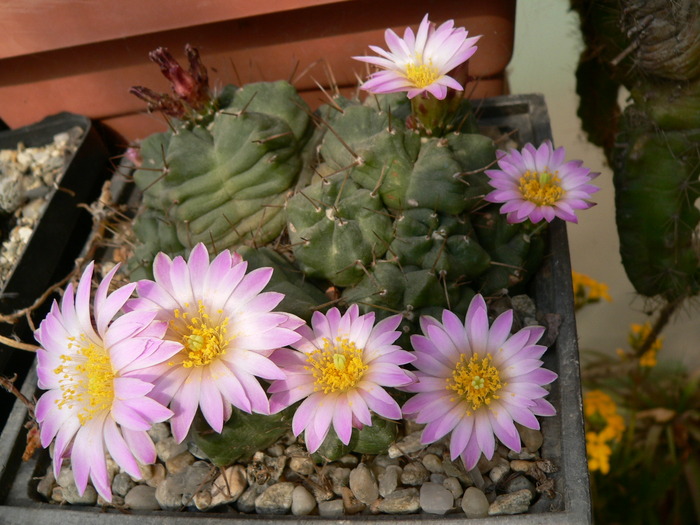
[[347, 288]]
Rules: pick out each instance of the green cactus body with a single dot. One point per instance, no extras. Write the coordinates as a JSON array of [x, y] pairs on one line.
[[658, 173], [337, 228], [226, 184]]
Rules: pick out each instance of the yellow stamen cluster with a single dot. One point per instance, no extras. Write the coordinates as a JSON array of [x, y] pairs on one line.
[[604, 425], [204, 341], [337, 367], [421, 75], [541, 188], [476, 381], [87, 379], [588, 290]]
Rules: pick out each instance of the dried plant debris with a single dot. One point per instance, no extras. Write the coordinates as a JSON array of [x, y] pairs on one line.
[[28, 176]]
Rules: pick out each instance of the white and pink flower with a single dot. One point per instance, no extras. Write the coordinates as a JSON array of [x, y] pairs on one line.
[[97, 397], [340, 367], [226, 328]]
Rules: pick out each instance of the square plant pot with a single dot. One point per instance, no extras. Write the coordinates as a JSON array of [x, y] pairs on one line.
[[568, 501], [57, 234]]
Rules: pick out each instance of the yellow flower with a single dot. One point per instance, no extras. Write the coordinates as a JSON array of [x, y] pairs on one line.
[[605, 426], [588, 290], [638, 334]]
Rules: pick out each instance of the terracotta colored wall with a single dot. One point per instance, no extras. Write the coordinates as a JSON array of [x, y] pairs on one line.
[[62, 55]]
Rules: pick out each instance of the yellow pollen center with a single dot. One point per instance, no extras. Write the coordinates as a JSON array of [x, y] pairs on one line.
[[541, 188], [336, 367], [476, 381], [421, 75], [203, 339], [87, 379]]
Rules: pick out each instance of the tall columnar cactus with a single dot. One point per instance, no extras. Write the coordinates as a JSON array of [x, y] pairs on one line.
[[653, 49], [221, 176]]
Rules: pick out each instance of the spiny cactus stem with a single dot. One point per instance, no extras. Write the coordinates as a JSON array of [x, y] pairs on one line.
[[379, 212], [380, 307], [317, 207], [272, 137], [213, 243], [358, 160], [527, 237], [439, 254], [474, 172], [442, 276], [505, 265], [329, 303], [340, 191], [382, 174], [332, 102]]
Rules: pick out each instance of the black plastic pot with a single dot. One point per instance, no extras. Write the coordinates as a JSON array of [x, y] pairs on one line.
[[57, 239], [564, 442]]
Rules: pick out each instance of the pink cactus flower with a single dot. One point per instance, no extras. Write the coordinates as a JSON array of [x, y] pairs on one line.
[[475, 382], [97, 394], [227, 331], [420, 63], [340, 368], [537, 183]]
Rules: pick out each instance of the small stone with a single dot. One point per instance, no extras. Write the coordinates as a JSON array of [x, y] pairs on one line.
[[122, 483], [57, 494], [202, 500], [157, 475], [485, 465], [71, 495], [474, 503], [532, 438], [228, 487], [454, 486], [277, 499], [523, 454], [403, 501], [514, 503], [499, 470], [389, 480], [435, 499], [331, 509], [169, 493], [46, 483], [518, 483], [167, 448], [303, 502], [455, 469], [433, 463], [363, 484], [159, 432], [275, 451], [437, 478], [518, 465], [141, 497], [410, 444], [117, 501], [383, 460], [176, 464], [246, 501], [302, 465], [414, 473], [348, 460]]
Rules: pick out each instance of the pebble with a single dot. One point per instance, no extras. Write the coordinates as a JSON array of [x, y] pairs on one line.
[[363, 485], [331, 509], [454, 486], [46, 483], [70, 495], [435, 499], [122, 483], [456, 469], [159, 432], [176, 464], [246, 501], [302, 465], [414, 473], [514, 503], [141, 497], [389, 480], [433, 463], [519, 483], [167, 448], [277, 499], [474, 503], [407, 445], [228, 486], [339, 476], [351, 504], [157, 475], [402, 501], [532, 438], [499, 470], [519, 465], [202, 500], [303, 502]]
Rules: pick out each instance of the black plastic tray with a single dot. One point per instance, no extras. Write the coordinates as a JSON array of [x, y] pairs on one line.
[[564, 440], [59, 236]]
